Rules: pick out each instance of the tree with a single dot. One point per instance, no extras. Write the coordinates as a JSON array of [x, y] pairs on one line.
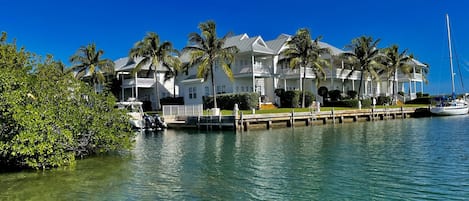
[[87, 61], [364, 57], [206, 49], [155, 54], [305, 53], [48, 118], [394, 62]]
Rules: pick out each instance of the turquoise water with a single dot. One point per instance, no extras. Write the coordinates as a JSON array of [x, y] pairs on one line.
[[413, 159]]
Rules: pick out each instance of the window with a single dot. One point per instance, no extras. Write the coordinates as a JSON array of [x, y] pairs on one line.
[[242, 88], [207, 92], [192, 92], [237, 88]]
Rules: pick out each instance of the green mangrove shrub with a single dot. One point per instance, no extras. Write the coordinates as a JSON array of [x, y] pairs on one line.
[[48, 118]]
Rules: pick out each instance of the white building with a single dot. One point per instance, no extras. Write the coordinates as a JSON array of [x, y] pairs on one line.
[[258, 67], [141, 85]]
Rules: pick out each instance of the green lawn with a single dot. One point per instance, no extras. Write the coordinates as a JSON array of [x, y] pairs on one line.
[[287, 110]]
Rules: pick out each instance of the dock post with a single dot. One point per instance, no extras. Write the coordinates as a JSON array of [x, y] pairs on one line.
[[341, 119], [246, 125], [333, 115], [219, 121], [241, 123], [269, 124], [402, 113], [291, 121]]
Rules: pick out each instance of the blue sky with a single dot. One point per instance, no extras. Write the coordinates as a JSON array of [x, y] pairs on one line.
[[61, 27]]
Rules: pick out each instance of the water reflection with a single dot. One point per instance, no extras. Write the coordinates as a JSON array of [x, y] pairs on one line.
[[395, 159]]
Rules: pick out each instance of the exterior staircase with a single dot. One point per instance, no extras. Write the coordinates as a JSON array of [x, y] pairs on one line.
[[267, 106]]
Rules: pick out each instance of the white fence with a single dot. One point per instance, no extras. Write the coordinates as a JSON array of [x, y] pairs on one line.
[[173, 111]]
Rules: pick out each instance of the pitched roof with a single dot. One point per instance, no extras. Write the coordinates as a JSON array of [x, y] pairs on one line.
[[246, 44], [334, 50], [277, 44], [418, 63], [280, 41], [124, 64]]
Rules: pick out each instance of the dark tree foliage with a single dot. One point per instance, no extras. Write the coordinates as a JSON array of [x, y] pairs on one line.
[[48, 118]]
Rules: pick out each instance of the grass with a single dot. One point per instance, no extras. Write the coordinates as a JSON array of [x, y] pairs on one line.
[[288, 110]]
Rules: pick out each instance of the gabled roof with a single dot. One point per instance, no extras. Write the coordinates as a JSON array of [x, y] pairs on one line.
[[282, 39], [124, 64], [418, 63], [246, 44], [334, 50], [277, 44]]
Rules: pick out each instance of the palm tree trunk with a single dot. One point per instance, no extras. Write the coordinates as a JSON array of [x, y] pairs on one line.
[[157, 95], [213, 86], [394, 98], [360, 87], [174, 87], [303, 89]]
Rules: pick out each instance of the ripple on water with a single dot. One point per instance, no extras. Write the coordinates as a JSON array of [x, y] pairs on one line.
[[413, 159]]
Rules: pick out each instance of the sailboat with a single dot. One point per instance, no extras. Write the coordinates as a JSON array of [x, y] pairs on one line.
[[452, 106]]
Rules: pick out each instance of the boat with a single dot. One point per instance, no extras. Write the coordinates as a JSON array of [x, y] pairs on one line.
[[138, 119], [134, 110], [450, 106]]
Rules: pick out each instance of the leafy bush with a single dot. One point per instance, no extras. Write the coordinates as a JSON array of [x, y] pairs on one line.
[[353, 103], [245, 101], [49, 118], [322, 91], [419, 94], [335, 95], [383, 100], [293, 99], [366, 103], [352, 94], [400, 93]]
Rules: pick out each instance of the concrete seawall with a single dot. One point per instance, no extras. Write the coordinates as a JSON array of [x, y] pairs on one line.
[[266, 121]]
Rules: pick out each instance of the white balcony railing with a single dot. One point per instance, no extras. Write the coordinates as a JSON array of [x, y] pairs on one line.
[[259, 69], [141, 82], [412, 76]]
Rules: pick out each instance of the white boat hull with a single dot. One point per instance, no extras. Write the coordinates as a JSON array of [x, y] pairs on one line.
[[450, 110]]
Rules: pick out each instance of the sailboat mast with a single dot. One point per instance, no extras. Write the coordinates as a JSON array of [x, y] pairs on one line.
[[453, 94]]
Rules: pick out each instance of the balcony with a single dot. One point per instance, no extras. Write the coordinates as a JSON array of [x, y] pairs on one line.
[[412, 77], [287, 72], [342, 74], [141, 82], [260, 70]]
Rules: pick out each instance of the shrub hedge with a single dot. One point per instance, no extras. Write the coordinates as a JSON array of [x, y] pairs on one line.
[[245, 101], [292, 99]]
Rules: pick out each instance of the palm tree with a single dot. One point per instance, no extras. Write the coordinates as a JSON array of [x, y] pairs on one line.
[[305, 53], [394, 62], [206, 49], [364, 57], [87, 61], [154, 54]]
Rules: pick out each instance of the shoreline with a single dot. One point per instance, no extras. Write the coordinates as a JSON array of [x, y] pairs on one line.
[[243, 122]]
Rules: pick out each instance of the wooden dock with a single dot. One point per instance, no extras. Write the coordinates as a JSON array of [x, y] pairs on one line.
[[246, 122]]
